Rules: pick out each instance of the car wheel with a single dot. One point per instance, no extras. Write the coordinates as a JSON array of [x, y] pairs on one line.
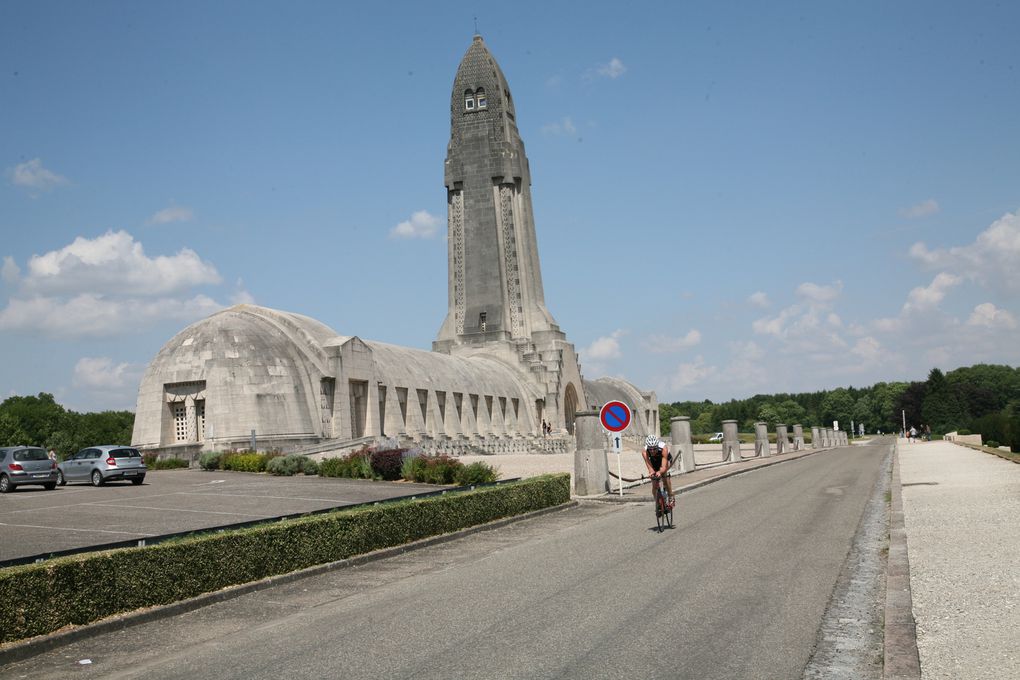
[[50, 486], [138, 480], [60, 478], [97, 478], [5, 484]]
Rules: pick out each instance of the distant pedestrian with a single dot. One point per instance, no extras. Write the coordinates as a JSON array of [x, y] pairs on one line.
[[545, 427], [913, 435], [52, 454]]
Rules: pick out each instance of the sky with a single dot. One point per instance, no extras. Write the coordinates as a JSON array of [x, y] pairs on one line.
[[730, 198]]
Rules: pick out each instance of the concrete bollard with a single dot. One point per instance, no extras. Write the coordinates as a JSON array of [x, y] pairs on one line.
[[798, 438], [761, 440], [591, 471], [680, 442], [781, 444], [830, 437], [730, 442], [816, 438]]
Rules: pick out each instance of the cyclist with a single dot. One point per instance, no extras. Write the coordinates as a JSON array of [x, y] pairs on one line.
[[657, 460]]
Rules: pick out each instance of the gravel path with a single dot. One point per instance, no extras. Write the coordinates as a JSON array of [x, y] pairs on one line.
[[961, 509]]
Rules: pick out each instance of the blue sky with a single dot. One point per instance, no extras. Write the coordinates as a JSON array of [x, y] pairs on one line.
[[730, 198]]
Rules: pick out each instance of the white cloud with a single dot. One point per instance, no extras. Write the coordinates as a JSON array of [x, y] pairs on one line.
[[10, 272], [421, 225], [606, 347], [993, 259], [922, 209], [33, 176], [775, 325], [613, 70], [924, 298], [115, 263], [868, 349], [819, 295], [90, 315], [564, 127], [663, 344], [989, 316], [175, 213], [690, 374], [100, 373], [759, 299]]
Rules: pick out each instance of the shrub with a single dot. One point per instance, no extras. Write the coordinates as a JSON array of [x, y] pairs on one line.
[[291, 465], [992, 444], [210, 461], [169, 464], [412, 468], [355, 465], [41, 598], [387, 464], [963, 432], [476, 473], [441, 469], [245, 462]]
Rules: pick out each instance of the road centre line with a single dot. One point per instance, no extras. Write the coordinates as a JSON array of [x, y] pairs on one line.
[[98, 531]]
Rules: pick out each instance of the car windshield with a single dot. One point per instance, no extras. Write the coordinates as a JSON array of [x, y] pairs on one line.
[[125, 453], [30, 454]]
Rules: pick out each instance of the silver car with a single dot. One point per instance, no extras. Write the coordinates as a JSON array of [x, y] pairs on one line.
[[26, 465], [101, 464]]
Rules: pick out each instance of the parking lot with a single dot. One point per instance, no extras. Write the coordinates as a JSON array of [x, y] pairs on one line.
[[35, 521]]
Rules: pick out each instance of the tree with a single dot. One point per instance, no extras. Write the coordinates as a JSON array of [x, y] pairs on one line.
[[942, 409], [838, 405]]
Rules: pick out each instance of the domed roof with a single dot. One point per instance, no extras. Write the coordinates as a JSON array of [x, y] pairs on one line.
[[478, 69], [246, 332]]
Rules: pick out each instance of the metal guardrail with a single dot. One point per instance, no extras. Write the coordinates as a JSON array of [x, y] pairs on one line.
[[153, 540]]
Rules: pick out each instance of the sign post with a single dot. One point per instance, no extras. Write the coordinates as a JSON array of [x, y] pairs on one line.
[[615, 417]]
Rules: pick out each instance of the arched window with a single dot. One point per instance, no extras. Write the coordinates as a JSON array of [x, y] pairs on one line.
[[469, 100], [480, 98]]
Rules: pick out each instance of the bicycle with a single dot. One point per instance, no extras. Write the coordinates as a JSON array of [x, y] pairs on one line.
[[663, 505]]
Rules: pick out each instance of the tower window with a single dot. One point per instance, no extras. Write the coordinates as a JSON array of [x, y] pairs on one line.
[[469, 100], [481, 322], [480, 98]]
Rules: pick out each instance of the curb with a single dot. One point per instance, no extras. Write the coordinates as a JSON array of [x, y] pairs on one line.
[[901, 658], [19, 651], [614, 497]]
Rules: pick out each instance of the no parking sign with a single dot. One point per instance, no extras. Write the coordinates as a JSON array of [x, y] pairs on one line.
[[615, 417]]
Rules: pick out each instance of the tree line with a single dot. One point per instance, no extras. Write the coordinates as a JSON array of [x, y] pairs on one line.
[[984, 398], [41, 421]]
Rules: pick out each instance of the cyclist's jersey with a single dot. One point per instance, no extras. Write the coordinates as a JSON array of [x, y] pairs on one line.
[[655, 457]]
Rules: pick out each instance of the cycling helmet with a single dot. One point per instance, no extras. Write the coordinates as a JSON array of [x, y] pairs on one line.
[[651, 441]]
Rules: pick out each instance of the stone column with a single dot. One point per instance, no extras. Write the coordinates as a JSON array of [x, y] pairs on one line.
[[591, 470], [781, 443], [730, 442], [761, 440], [816, 438], [680, 442], [830, 438], [798, 437]]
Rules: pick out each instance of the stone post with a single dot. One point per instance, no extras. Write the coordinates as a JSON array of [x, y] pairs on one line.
[[591, 470], [798, 437], [844, 438], [761, 440], [730, 442], [816, 438], [781, 442], [680, 442], [830, 437]]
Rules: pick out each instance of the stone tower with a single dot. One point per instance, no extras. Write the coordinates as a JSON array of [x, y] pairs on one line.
[[496, 301]]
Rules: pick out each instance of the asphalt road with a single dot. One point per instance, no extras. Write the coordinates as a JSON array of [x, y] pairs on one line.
[[34, 521], [737, 590]]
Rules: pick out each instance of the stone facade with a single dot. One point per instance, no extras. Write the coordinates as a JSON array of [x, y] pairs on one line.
[[500, 364]]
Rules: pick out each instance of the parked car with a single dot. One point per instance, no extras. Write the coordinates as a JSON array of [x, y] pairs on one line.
[[98, 465], [717, 437], [21, 465]]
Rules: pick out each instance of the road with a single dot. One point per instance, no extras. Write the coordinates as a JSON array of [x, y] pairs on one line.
[[737, 590]]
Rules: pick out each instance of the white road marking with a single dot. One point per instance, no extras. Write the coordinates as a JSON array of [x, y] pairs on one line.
[[98, 531], [284, 498], [149, 507]]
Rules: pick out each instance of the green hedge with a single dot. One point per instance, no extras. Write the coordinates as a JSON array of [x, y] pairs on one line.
[[75, 590]]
